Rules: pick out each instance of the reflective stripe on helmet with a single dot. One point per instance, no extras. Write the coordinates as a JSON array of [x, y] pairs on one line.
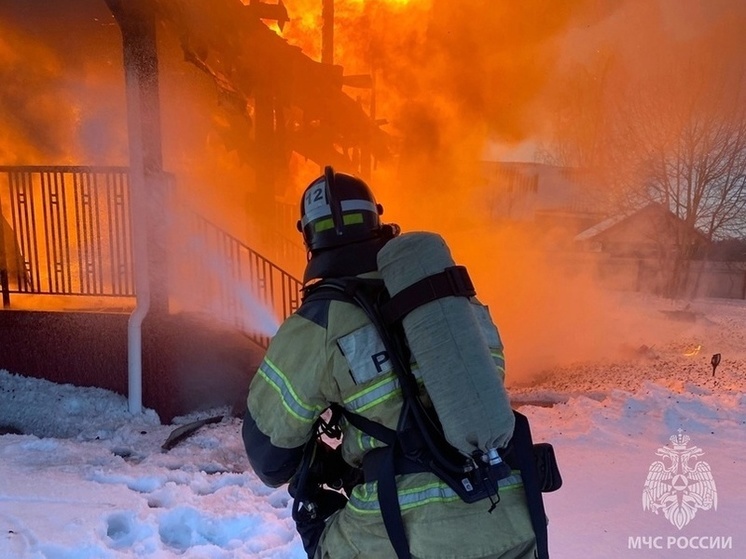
[[328, 223], [365, 205], [314, 213]]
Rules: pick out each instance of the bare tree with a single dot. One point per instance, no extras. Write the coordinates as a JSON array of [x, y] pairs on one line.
[[680, 140], [684, 141], [675, 137]]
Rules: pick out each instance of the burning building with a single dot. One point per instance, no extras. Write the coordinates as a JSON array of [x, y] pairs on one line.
[[76, 235], [211, 117]]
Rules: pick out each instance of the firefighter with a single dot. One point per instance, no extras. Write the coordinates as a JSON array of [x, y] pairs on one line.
[[305, 371]]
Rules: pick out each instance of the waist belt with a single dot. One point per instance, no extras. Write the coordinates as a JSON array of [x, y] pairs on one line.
[[373, 460]]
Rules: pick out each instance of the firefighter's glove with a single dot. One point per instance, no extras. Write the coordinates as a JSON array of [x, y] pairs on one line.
[[310, 516], [330, 469], [328, 502]]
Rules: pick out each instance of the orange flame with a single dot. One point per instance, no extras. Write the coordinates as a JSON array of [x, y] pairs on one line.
[[449, 77]]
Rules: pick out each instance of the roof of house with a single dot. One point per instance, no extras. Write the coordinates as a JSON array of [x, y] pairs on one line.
[[605, 225], [651, 210]]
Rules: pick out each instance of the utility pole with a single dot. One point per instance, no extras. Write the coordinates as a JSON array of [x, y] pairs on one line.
[[327, 38], [327, 31]]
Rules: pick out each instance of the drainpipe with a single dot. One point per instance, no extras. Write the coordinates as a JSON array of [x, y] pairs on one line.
[[133, 29], [134, 343], [139, 221]]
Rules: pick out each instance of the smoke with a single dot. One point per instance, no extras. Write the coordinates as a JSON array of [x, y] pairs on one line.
[[451, 76], [58, 106], [62, 102], [206, 281], [451, 79], [26, 105], [455, 77]]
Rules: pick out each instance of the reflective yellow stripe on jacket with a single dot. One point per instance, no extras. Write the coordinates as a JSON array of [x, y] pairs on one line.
[[380, 392], [290, 400], [499, 358], [364, 498], [373, 395]]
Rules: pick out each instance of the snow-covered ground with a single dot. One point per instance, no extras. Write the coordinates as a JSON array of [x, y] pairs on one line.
[[85, 480]]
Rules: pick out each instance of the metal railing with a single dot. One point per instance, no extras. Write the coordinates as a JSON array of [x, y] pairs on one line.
[[66, 231], [229, 280]]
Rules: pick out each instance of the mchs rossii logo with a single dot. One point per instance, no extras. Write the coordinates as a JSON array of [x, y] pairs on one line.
[[679, 484]]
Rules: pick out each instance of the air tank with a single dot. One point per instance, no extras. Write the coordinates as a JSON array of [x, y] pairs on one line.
[[448, 340]]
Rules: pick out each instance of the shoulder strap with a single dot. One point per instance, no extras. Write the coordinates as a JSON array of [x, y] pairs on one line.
[[523, 447], [370, 295], [365, 295], [453, 281]]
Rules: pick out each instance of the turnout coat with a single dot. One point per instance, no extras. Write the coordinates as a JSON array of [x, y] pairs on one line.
[[329, 352]]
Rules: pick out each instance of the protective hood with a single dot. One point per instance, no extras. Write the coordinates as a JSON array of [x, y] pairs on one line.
[[348, 260]]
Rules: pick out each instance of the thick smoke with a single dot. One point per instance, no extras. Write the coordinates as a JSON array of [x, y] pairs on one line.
[[57, 105], [451, 79], [455, 77]]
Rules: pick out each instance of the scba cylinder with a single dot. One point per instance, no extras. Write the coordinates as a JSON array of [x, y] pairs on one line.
[[450, 347]]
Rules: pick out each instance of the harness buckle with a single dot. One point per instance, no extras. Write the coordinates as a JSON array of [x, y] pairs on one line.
[[460, 282]]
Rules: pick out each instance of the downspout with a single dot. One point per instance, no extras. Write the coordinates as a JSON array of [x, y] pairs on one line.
[[134, 355], [139, 228], [138, 212]]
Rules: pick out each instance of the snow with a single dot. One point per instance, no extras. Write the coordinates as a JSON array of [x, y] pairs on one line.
[[86, 480]]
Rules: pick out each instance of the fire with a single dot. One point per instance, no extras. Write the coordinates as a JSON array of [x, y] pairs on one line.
[[363, 29], [448, 76], [58, 109], [394, 3], [693, 351]]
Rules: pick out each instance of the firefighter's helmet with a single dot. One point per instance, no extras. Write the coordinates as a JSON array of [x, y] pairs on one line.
[[338, 209]]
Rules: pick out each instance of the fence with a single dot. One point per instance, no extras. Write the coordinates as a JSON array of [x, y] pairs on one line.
[[213, 272], [67, 231], [648, 275]]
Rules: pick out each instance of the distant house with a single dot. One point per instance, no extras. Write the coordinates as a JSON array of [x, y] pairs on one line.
[[641, 250], [553, 199], [650, 232]]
